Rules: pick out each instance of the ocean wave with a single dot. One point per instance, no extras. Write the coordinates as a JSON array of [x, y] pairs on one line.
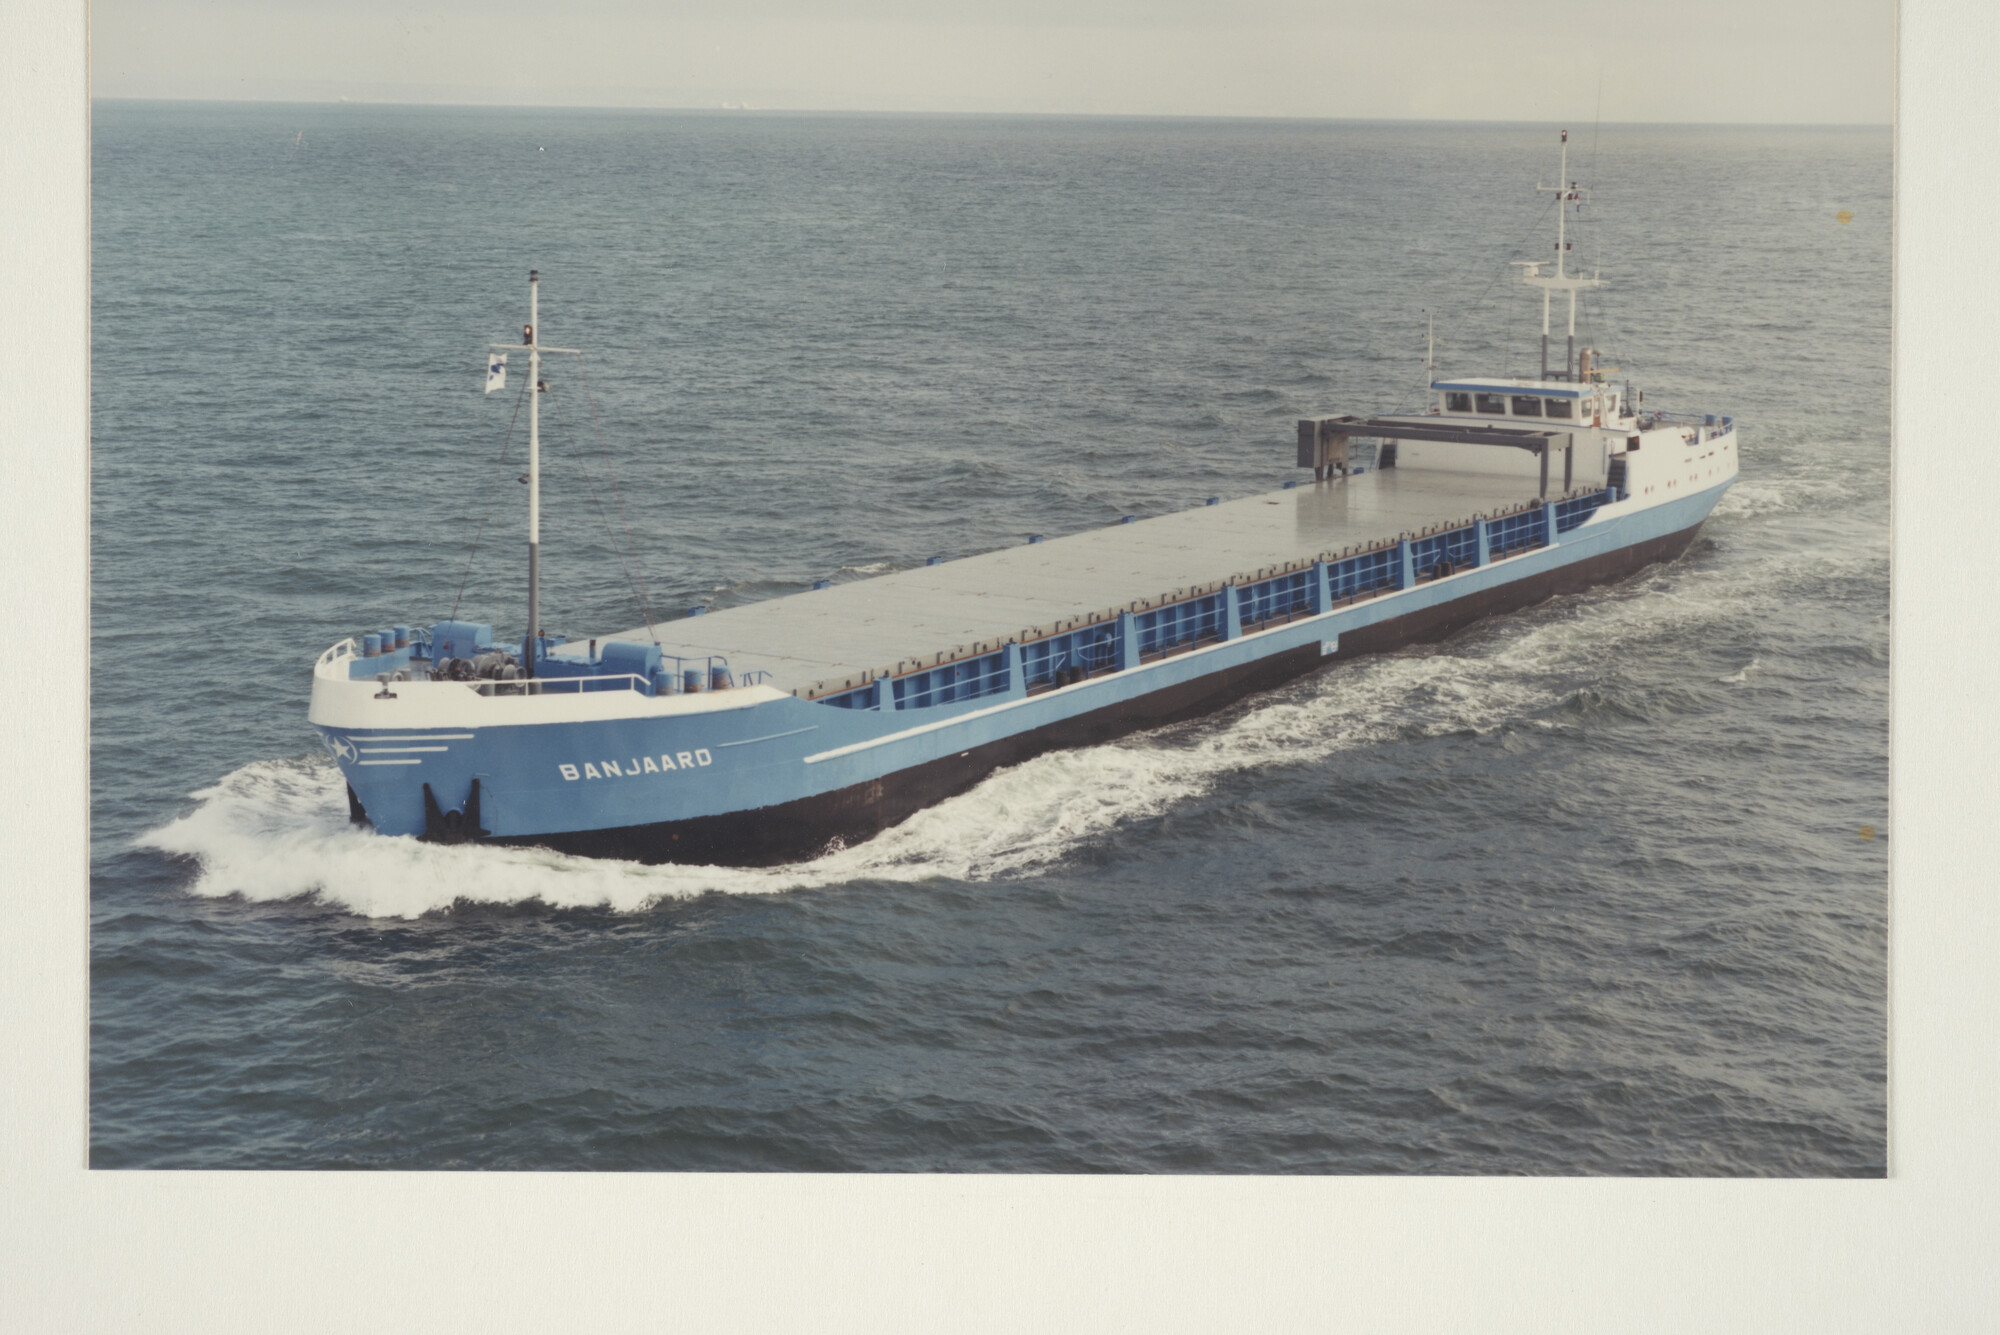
[[1756, 497], [1742, 674]]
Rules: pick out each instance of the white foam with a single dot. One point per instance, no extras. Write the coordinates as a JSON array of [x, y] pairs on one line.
[[278, 829], [1775, 495], [1742, 674]]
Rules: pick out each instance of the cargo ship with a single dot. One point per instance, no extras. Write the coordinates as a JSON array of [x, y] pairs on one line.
[[774, 731]]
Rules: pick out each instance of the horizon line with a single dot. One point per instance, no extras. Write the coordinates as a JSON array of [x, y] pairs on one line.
[[715, 109]]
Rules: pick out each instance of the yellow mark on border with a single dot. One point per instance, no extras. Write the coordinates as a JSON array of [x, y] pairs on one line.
[[1843, 217], [1867, 832]]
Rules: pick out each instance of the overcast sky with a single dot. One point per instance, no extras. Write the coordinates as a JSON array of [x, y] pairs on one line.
[[1825, 61]]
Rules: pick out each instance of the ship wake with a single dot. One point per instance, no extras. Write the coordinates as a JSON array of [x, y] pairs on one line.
[[277, 830]]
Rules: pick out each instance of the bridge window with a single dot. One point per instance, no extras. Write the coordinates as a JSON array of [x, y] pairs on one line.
[[1458, 403], [1527, 405], [1560, 408], [1496, 404]]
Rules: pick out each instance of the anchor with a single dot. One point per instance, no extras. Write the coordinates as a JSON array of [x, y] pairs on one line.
[[452, 827]]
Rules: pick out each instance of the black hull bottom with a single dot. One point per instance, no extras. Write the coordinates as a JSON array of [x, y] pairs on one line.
[[792, 831]]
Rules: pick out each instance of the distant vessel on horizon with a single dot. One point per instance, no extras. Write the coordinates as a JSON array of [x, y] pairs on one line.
[[768, 732]]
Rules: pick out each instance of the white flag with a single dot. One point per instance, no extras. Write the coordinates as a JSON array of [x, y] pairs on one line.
[[496, 371]]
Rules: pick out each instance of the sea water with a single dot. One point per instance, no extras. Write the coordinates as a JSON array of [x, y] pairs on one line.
[[1581, 890]]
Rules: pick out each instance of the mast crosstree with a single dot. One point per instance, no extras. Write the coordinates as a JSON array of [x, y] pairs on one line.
[[1567, 192]]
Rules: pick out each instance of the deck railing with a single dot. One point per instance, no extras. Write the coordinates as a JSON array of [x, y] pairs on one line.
[[617, 681], [1720, 423], [627, 681], [1702, 426]]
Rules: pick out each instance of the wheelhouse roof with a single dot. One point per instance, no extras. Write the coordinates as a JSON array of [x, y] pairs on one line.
[[1543, 388]]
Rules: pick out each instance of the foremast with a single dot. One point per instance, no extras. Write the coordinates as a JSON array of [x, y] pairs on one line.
[[531, 644]]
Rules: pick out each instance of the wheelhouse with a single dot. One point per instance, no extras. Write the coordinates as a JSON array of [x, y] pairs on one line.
[[1528, 398]]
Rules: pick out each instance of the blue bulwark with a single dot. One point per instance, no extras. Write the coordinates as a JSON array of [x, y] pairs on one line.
[[949, 683], [1363, 574], [1574, 511], [1090, 649], [1129, 639], [1180, 625], [1458, 547], [1516, 532], [1279, 598], [861, 697]]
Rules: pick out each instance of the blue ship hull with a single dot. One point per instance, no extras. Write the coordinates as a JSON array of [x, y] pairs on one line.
[[778, 777]]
